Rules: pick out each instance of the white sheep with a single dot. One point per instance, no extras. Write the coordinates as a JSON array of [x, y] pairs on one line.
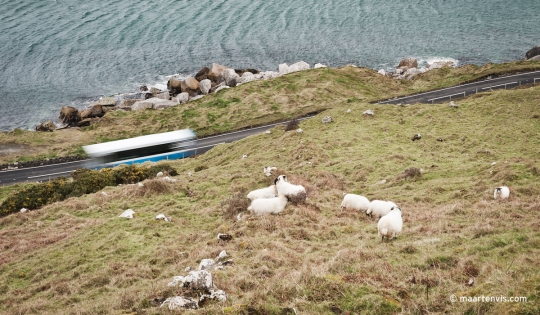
[[268, 170], [285, 188], [379, 208], [268, 192], [268, 205], [391, 224], [501, 192], [355, 202]]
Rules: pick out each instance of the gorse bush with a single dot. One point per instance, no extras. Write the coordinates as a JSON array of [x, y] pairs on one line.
[[85, 181]]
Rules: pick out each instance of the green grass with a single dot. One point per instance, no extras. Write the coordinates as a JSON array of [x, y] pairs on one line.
[[78, 256]]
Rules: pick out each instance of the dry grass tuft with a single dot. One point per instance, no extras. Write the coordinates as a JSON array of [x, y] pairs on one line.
[[410, 173], [231, 207], [292, 125]]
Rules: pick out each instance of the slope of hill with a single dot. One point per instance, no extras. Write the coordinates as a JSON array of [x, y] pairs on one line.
[[78, 256]]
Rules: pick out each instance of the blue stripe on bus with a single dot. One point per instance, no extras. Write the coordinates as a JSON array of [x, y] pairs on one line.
[[153, 158]]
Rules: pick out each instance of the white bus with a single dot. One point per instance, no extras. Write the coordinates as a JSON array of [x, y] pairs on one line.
[[162, 146]]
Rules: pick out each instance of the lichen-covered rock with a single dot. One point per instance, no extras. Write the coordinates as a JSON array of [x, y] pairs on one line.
[[368, 112], [207, 264], [326, 120], [195, 280], [179, 302]]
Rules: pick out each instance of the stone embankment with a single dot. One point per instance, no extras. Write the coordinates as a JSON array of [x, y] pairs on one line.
[[179, 91], [408, 68]]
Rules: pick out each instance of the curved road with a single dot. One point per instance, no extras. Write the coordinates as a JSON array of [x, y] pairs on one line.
[[460, 91], [47, 172]]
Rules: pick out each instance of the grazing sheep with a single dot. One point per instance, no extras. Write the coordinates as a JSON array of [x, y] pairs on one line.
[[268, 170], [268, 192], [268, 205], [501, 192], [391, 224], [355, 202], [285, 188], [380, 208]]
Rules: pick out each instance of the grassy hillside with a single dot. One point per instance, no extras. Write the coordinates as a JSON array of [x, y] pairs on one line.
[[254, 103], [77, 256]]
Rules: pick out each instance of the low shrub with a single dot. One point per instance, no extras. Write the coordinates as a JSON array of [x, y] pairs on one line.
[[85, 181], [234, 205]]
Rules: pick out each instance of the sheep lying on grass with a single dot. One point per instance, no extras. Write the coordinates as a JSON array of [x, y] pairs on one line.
[[355, 202], [502, 192], [268, 205], [268, 192], [285, 188], [391, 224], [380, 208]]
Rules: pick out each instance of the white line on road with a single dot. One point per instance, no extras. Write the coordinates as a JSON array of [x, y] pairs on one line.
[[29, 168], [50, 174]]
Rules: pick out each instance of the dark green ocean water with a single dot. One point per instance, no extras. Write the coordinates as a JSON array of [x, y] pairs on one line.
[[71, 52]]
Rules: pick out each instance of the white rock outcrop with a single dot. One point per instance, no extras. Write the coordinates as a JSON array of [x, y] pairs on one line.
[[299, 66], [207, 264], [128, 214], [195, 280], [319, 65], [179, 302], [205, 86]]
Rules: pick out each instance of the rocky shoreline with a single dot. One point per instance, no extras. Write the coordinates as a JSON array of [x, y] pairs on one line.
[[206, 81], [212, 80]]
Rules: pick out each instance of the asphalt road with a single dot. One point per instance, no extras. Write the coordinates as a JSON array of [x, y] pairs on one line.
[[460, 91], [48, 172]]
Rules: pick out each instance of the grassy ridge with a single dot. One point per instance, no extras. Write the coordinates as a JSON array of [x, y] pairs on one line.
[[77, 256], [255, 103]]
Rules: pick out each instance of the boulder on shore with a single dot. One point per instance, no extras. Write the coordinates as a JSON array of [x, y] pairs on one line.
[[69, 115], [191, 86], [535, 51], [202, 74], [182, 97], [409, 63], [228, 76], [174, 86], [205, 86], [126, 104], [241, 72], [105, 101], [215, 71], [537, 58], [46, 126]]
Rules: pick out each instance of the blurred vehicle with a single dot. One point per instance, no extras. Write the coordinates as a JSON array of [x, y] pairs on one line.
[[162, 146]]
